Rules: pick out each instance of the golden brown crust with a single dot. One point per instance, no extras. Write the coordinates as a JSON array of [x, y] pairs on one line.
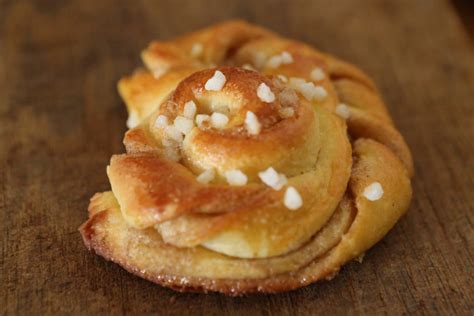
[[143, 91], [164, 225], [344, 237], [101, 233], [218, 42]]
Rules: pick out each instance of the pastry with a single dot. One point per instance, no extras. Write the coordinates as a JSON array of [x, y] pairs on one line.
[[254, 163]]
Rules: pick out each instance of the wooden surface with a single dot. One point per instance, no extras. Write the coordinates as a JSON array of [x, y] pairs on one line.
[[61, 119], [465, 9]]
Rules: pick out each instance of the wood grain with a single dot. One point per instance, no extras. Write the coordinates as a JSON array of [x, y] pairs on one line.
[[61, 119]]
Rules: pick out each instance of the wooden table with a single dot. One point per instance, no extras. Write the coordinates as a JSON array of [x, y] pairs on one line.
[[61, 119]]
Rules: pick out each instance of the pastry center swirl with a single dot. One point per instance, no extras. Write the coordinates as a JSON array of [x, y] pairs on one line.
[[288, 144]]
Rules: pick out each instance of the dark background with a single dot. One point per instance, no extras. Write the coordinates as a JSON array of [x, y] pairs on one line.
[[61, 119]]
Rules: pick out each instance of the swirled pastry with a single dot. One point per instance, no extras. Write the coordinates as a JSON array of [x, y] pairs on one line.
[[253, 163]]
